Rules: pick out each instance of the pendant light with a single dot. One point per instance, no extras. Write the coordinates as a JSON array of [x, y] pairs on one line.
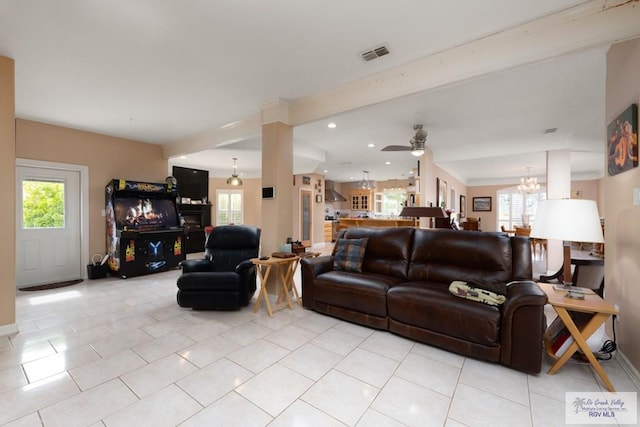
[[234, 179], [365, 183]]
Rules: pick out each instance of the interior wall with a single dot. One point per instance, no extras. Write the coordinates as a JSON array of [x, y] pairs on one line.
[[252, 197], [588, 190], [107, 157], [488, 220], [622, 218], [7, 215], [452, 183]]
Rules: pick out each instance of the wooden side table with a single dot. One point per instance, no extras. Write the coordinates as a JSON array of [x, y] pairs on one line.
[[599, 309], [284, 280]]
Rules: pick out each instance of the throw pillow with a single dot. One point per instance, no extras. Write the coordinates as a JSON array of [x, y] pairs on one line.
[[348, 254]]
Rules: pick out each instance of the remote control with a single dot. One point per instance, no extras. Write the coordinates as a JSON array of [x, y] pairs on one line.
[[263, 258]]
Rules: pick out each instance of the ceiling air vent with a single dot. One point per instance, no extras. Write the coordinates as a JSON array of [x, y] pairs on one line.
[[375, 53], [550, 130]]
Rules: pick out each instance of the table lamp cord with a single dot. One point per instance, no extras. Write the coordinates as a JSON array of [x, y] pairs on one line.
[[606, 352]]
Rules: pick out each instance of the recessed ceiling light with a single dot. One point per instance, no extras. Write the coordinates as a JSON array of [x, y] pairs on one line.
[[371, 145], [387, 163], [325, 171], [350, 178], [183, 157], [331, 125], [410, 172]]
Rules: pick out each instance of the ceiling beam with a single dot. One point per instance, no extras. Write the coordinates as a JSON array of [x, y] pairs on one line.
[[595, 23]]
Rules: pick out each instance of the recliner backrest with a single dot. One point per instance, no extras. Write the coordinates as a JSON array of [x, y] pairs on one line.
[[229, 245]]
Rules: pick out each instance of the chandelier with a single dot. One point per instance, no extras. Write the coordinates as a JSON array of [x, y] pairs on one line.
[[529, 184], [234, 179], [365, 183]]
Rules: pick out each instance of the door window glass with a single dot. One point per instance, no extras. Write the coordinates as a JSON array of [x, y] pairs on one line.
[[42, 204]]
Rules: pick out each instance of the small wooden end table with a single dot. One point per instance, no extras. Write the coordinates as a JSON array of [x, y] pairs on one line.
[[600, 311], [284, 281]]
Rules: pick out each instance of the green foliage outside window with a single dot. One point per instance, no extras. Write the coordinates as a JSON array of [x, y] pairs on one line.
[[42, 204]]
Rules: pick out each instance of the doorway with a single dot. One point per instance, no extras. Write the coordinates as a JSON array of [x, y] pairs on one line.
[[306, 215], [50, 230]]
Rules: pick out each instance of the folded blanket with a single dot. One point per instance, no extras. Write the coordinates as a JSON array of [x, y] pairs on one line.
[[465, 290]]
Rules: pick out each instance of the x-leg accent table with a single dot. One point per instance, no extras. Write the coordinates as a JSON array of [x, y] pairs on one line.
[[599, 309], [284, 281]]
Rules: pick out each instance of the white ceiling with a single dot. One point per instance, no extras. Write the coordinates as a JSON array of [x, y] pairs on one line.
[[160, 71]]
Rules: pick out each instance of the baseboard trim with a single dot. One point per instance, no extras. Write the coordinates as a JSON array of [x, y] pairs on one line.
[[11, 328], [629, 369]]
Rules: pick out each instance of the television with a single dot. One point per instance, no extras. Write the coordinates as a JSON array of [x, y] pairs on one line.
[[145, 213], [192, 183]]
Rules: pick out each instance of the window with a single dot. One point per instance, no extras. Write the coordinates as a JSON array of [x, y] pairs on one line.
[[229, 207], [42, 204], [511, 206], [390, 202]]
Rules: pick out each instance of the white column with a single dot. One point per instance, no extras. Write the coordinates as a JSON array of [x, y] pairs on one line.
[[558, 187], [277, 171]]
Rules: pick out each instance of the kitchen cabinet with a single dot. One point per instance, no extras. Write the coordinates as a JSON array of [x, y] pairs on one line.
[[360, 199], [328, 231]]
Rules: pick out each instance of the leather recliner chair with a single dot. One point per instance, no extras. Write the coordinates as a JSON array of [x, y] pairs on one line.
[[225, 279]]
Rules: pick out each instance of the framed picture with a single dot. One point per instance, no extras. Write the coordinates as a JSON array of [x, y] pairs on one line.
[[318, 198], [441, 193], [306, 180], [482, 204], [463, 206], [622, 141]]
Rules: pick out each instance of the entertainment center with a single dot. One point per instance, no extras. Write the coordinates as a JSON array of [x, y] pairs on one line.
[[193, 205]]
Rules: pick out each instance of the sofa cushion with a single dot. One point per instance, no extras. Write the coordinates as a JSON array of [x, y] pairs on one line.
[[388, 249], [443, 256], [358, 292], [431, 306], [348, 254]]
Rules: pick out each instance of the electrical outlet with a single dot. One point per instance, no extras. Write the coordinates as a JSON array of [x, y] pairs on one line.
[[636, 196], [617, 307]]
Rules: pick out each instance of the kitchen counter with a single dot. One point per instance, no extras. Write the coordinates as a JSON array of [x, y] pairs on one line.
[[375, 222]]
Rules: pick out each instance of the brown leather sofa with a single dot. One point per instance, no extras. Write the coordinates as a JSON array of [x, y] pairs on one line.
[[404, 288]]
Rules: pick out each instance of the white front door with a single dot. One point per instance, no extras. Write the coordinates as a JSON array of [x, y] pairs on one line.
[[47, 226]]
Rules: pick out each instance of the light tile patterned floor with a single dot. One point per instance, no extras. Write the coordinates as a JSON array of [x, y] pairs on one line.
[[117, 352]]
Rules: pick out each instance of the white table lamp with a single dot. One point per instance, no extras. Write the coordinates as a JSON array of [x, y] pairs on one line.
[[570, 220]]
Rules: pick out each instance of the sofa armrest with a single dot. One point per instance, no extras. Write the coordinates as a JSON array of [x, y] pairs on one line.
[[523, 293], [522, 327], [311, 268], [196, 265], [244, 265]]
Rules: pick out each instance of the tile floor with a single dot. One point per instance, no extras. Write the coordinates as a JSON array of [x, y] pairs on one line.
[[117, 352]]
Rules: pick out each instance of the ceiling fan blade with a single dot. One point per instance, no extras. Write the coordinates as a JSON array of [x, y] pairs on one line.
[[396, 148]]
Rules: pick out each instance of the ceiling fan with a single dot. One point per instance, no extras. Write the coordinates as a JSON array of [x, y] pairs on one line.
[[417, 143]]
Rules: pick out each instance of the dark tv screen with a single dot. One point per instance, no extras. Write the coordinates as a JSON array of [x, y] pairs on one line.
[[192, 183], [145, 213]]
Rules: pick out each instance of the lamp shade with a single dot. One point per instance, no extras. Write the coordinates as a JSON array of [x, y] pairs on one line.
[[572, 220]]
